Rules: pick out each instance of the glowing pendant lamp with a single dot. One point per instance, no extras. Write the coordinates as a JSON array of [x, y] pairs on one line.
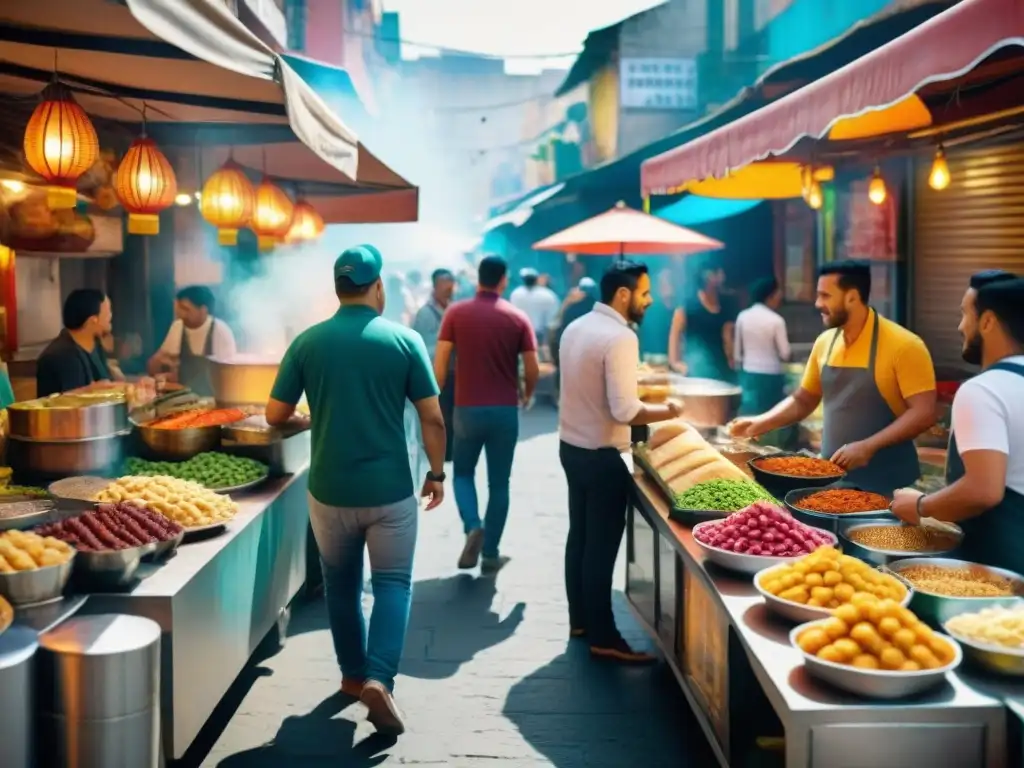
[[60, 144], [227, 201], [273, 215], [307, 224], [939, 177], [145, 185], [876, 188]]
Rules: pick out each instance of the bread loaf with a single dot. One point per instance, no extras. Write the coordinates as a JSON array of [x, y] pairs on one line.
[[689, 463], [665, 431], [676, 448], [720, 469]]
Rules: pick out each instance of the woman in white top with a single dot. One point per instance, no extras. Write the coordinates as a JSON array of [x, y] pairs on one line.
[[193, 337], [761, 345]]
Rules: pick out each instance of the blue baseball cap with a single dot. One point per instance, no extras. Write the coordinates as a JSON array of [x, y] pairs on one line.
[[361, 264]]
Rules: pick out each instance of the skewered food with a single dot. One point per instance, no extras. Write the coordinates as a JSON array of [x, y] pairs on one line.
[[798, 466], [827, 579], [763, 529], [212, 470], [843, 501], [876, 634], [113, 527], [183, 501], [722, 495], [27, 551], [991, 626]]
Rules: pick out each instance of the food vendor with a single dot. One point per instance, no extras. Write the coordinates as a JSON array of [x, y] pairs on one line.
[[874, 378], [985, 461], [194, 336], [75, 358]]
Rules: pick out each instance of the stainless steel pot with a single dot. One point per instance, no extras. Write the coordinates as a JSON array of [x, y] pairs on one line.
[[708, 402], [36, 420], [178, 444], [243, 380], [61, 458]]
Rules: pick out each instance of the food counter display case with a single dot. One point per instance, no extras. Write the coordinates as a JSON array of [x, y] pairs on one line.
[[749, 686]]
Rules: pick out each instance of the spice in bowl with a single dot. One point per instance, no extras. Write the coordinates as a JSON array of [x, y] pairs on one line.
[[958, 582], [798, 466], [902, 538], [722, 496], [843, 501]]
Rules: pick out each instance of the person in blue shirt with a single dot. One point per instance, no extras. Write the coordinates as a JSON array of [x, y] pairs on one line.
[[358, 370]]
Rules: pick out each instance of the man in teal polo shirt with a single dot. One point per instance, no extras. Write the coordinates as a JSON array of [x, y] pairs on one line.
[[357, 370]]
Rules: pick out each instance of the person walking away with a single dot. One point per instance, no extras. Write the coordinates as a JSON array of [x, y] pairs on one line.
[[361, 489], [427, 323], [984, 494], [761, 346], [75, 358], [701, 335], [488, 336], [600, 355], [657, 325], [195, 336], [578, 303], [876, 382], [537, 301]]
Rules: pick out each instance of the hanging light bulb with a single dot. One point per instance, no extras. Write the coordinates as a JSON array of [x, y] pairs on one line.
[[273, 215], [876, 189], [939, 178], [307, 224], [145, 185], [227, 201], [183, 198], [815, 198], [60, 144]]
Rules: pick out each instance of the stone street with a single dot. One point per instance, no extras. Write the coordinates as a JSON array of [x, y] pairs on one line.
[[489, 676]]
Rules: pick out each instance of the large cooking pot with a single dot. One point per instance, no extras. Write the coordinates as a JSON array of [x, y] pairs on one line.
[[101, 456], [708, 402], [243, 380], [177, 444], [68, 417]]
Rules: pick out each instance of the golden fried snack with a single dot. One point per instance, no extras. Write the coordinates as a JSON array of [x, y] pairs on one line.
[[187, 503]]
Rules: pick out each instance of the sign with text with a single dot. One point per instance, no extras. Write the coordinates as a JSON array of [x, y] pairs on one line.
[[658, 83]]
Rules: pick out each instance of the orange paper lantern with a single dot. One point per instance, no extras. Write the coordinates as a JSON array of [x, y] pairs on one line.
[[273, 215], [145, 185], [307, 224], [227, 201], [60, 144]]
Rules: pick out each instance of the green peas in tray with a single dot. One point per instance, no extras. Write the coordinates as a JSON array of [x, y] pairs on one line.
[[212, 470]]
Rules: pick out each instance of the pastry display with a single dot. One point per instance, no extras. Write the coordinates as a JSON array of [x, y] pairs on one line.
[[26, 551], [112, 527], [186, 502]]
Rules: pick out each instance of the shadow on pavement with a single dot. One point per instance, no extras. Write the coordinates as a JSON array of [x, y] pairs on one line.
[[314, 740], [542, 419]]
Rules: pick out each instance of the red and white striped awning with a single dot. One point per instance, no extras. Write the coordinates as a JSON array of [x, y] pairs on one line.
[[943, 48]]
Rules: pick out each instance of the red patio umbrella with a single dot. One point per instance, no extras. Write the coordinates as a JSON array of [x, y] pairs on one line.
[[623, 231]]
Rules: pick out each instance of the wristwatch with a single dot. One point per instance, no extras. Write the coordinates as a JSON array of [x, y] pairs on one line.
[[436, 478]]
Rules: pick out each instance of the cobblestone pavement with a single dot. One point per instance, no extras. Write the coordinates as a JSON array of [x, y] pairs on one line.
[[489, 677]]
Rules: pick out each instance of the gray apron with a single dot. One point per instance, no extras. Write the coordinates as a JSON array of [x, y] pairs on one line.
[[194, 370], [995, 537], [855, 410]]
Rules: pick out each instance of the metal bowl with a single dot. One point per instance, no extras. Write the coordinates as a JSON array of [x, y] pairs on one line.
[[37, 586], [779, 485], [49, 418], [110, 569], [61, 458], [887, 556], [938, 609], [178, 444], [874, 683], [799, 612], [162, 549], [708, 402], [741, 562], [825, 520], [994, 658]]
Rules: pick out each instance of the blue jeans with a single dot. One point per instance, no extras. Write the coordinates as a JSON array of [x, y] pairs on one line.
[[494, 429], [389, 533]]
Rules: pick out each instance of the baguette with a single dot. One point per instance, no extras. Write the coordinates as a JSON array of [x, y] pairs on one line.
[[665, 431], [679, 446], [722, 469], [687, 464]]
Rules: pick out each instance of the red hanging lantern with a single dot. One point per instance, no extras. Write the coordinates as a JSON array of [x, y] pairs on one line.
[[227, 201], [273, 215], [307, 224], [60, 144], [145, 185]]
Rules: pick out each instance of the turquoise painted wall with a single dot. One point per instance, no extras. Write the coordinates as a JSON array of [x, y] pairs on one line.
[[806, 24]]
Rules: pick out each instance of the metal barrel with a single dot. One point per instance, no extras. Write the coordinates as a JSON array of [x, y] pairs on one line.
[[17, 651], [99, 693]]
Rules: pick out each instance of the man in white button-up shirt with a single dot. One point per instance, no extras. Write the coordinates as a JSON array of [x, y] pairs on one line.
[[599, 359], [761, 345]]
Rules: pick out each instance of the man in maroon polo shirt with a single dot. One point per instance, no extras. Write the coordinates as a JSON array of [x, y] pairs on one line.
[[488, 335]]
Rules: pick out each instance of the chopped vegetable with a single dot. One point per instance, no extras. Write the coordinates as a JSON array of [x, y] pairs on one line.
[[211, 470], [723, 496]]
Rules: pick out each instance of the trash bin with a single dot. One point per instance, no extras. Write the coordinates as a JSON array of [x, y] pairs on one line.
[[99, 693], [17, 650]]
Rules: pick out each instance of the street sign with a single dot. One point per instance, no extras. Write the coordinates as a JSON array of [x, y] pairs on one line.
[[658, 83]]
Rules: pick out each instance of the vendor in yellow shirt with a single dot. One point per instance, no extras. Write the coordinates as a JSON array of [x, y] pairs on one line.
[[876, 382]]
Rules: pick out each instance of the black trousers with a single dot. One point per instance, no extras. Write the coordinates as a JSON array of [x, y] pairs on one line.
[[598, 496]]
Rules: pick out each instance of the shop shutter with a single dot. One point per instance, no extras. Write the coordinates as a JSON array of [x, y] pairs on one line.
[[976, 223]]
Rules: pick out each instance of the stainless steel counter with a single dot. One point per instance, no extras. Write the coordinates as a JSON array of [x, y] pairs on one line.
[[959, 724], [216, 600]]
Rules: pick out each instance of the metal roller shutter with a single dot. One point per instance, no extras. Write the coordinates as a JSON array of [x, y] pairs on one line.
[[976, 223]]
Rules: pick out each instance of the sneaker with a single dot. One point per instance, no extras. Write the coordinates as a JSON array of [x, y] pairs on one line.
[[493, 564], [351, 687], [471, 552], [382, 711], [621, 652]]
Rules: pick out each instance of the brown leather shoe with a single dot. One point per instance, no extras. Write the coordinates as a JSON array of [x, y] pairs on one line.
[[382, 711], [471, 551], [351, 687], [621, 653]]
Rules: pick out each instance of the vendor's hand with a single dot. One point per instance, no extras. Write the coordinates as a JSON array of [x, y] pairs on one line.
[[675, 408], [745, 428], [854, 455], [433, 492], [679, 368], [904, 505]]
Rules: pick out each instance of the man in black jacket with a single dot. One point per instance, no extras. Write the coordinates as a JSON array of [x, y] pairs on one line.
[[75, 358]]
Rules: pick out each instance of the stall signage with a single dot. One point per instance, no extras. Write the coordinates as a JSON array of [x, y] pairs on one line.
[[658, 83]]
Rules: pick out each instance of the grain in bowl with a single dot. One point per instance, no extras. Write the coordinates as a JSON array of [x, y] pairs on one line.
[[902, 538]]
